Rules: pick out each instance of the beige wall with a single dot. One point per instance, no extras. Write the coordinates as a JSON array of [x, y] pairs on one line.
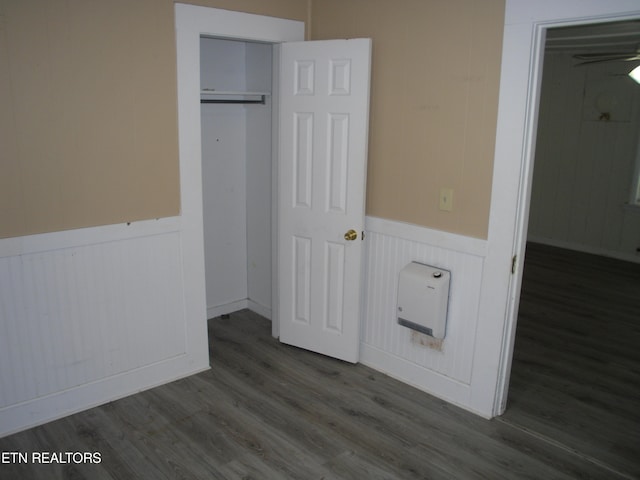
[[88, 117], [88, 114], [88, 129], [434, 97]]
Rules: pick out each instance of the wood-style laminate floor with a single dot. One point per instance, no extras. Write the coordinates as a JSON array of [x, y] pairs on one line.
[[575, 378], [269, 411]]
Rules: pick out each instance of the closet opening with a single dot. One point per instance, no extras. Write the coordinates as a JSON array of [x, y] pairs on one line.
[[236, 79]]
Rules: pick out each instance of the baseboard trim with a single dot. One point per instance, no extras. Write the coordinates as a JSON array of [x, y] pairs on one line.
[[428, 381], [627, 257], [231, 307], [31, 413], [259, 309], [227, 308]]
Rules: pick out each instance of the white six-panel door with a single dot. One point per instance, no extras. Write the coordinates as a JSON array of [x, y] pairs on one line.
[[324, 111]]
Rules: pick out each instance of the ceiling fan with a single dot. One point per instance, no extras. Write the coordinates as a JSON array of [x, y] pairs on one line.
[[602, 57]]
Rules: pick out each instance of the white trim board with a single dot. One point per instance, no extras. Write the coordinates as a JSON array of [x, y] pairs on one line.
[[217, 310], [46, 242], [423, 379], [416, 233], [192, 22], [61, 404]]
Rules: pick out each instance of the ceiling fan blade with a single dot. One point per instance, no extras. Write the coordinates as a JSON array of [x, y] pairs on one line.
[[603, 56], [625, 58]]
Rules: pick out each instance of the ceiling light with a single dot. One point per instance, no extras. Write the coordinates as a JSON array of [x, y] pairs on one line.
[[635, 74]]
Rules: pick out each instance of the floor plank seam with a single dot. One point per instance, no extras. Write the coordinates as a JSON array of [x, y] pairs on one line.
[[566, 448]]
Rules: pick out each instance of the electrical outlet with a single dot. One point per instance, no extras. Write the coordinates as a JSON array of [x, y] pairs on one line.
[[446, 199]]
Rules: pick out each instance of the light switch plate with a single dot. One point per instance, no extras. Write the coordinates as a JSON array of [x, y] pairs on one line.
[[446, 199]]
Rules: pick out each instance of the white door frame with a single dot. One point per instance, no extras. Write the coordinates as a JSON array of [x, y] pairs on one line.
[[192, 22], [526, 24]]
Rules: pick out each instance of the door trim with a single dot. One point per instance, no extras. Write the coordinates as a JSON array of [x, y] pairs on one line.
[[192, 22], [526, 24]]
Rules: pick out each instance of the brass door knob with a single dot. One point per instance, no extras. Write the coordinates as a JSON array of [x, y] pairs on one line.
[[351, 235]]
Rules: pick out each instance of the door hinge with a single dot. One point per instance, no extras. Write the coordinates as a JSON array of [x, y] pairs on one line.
[[514, 262]]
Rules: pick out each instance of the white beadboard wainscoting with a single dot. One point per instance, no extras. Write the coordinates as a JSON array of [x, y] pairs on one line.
[[387, 346], [91, 315]]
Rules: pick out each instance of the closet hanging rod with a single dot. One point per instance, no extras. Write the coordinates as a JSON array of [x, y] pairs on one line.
[[232, 100], [225, 96]]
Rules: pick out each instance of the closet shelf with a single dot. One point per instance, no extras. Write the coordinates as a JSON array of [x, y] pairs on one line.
[[230, 96]]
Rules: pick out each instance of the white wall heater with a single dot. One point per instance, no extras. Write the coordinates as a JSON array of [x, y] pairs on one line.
[[423, 298]]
